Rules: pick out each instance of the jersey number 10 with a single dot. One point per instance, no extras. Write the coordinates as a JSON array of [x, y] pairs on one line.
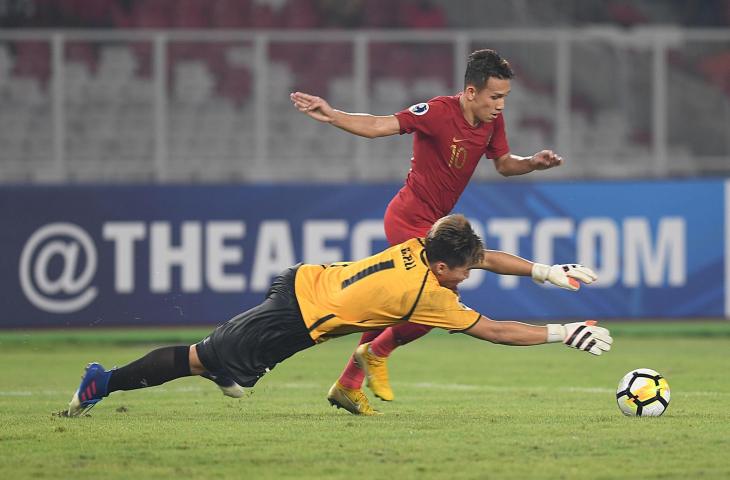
[[458, 156]]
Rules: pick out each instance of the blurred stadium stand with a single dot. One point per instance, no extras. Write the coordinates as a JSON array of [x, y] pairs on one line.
[[194, 90]]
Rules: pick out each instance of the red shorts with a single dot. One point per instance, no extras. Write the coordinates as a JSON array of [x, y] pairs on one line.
[[401, 224]]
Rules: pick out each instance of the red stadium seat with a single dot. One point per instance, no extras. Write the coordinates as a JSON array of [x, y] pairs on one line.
[[33, 59], [717, 69], [154, 14], [191, 14], [231, 14]]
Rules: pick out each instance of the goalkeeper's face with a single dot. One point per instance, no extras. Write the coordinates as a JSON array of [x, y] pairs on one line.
[[449, 277]]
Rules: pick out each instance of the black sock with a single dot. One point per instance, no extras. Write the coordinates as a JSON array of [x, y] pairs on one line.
[[155, 368]]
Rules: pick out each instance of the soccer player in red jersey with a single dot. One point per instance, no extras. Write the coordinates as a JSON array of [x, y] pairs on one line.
[[451, 134]]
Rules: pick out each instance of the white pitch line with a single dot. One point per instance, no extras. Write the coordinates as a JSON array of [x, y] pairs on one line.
[[491, 388], [451, 387]]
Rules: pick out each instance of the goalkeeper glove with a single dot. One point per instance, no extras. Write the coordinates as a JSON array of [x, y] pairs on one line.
[[564, 276], [581, 335]]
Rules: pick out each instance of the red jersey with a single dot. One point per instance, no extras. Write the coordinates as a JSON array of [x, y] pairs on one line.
[[446, 150]]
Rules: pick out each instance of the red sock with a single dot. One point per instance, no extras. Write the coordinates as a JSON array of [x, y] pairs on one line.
[[352, 376], [398, 335]]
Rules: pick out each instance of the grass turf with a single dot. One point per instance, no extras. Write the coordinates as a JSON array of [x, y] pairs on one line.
[[463, 409]]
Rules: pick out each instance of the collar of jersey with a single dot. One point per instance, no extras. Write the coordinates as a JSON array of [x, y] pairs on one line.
[[423, 256]]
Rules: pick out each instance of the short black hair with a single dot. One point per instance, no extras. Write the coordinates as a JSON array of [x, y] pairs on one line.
[[483, 64], [452, 240]]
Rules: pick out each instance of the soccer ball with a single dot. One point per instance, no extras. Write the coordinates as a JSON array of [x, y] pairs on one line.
[[643, 393]]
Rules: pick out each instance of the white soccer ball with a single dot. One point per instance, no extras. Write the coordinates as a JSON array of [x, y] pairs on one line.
[[643, 393]]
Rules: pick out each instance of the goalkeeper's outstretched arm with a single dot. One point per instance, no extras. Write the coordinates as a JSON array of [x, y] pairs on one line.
[[580, 335], [568, 277], [508, 332]]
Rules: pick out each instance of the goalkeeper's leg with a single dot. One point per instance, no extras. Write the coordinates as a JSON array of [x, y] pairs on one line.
[[228, 386], [157, 367], [165, 364]]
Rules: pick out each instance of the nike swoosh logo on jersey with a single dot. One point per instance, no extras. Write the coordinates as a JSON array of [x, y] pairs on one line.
[[457, 140]]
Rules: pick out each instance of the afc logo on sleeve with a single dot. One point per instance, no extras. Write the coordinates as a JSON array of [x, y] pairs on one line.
[[418, 109]]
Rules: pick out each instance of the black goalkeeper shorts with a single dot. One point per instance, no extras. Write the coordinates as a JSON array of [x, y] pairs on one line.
[[252, 343]]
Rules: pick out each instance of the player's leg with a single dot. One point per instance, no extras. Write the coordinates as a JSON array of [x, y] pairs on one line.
[[353, 400], [352, 376], [372, 357], [227, 385], [245, 347], [155, 368], [397, 230], [347, 390], [397, 336]]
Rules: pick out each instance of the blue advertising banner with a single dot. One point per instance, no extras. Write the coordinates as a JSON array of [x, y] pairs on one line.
[[190, 255]]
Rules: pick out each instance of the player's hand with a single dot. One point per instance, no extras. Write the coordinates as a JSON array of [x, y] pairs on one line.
[[581, 335], [545, 159], [315, 107], [564, 276]]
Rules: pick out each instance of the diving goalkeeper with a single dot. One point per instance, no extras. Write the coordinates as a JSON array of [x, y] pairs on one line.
[[414, 281]]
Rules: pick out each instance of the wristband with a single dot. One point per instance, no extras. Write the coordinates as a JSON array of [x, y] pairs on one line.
[[555, 332], [540, 272]]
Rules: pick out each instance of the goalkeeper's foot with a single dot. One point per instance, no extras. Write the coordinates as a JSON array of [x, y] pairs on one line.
[[376, 372], [227, 385], [351, 399], [233, 390], [92, 389]]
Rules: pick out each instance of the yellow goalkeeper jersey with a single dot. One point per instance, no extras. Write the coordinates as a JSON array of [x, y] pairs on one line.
[[393, 286]]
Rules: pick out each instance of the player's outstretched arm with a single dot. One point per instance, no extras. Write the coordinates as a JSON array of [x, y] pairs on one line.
[[584, 336], [508, 332], [567, 276], [510, 164], [362, 124], [504, 263]]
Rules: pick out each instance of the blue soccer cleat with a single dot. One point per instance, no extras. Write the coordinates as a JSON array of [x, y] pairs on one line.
[[92, 389]]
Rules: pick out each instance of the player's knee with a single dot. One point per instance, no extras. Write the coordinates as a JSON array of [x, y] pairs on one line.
[[196, 367], [408, 332]]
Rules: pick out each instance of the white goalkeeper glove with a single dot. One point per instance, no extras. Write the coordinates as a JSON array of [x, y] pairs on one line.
[[581, 335], [564, 276]]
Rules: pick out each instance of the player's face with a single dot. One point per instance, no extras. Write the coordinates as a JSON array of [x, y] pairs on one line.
[[450, 277], [489, 101]]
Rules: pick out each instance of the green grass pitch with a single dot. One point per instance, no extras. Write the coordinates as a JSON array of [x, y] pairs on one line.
[[463, 409]]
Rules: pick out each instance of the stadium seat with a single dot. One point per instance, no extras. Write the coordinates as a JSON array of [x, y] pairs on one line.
[[25, 91], [299, 14], [193, 83], [153, 14], [716, 68], [389, 95], [33, 59], [109, 88], [340, 92], [280, 84], [7, 64], [231, 14], [427, 88], [76, 81], [191, 14]]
